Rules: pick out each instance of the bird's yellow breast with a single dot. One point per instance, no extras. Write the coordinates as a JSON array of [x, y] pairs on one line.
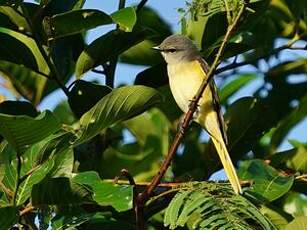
[[185, 79]]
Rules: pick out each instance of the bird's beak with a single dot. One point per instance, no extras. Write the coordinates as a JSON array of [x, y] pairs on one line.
[[156, 48]]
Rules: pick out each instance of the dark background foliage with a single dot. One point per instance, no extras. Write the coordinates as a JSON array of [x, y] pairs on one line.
[[57, 167]]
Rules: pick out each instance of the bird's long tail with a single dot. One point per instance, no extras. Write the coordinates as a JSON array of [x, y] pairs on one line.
[[228, 166]]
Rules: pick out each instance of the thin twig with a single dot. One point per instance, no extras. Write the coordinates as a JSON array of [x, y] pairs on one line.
[[27, 209], [54, 72], [272, 52], [141, 5], [143, 197], [18, 181]]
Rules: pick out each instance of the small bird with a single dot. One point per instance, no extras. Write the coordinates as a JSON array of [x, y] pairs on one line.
[[186, 71]]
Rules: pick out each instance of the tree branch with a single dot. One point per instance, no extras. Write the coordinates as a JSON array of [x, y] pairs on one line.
[[141, 5], [272, 52], [143, 197], [53, 70]]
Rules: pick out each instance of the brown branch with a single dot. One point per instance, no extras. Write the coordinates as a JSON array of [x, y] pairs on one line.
[[143, 197], [27, 209]]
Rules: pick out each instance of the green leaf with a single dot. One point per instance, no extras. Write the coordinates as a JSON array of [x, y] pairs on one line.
[[232, 87], [284, 126], [125, 18], [60, 25], [105, 48], [279, 218], [70, 222], [35, 177], [295, 204], [27, 82], [63, 163], [120, 104], [119, 197], [8, 217], [58, 191], [298, 223], [31, 45], [212, 206], [267, 181], [294, 159], [107, 193], [23, 131], [84, 95], [15, 17], [142, 54]]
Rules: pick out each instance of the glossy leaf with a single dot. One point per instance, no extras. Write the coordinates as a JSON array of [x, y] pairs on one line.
[[120, 104], [63, 163], [105, 48], [232, 87], [23, 131], [68, 222], [60, 25], [142, 54], [40, 65], [35, 177], [58, 191], [28, 83], [294, 159], [125, 18], [107, 193], [267, 182]]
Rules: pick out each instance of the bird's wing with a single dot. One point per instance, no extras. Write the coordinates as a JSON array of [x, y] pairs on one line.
[[215, 100]]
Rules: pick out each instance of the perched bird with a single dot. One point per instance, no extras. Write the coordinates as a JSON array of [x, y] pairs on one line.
[[186, 71]]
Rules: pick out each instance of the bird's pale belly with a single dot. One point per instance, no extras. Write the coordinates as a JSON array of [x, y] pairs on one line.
[[185, 79]]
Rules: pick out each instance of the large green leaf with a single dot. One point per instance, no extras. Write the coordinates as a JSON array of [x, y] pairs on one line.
[[294, 159], [31, 45], [58, 191], [27, 82], [60, 25], [232, 87], [23, 131], [295, 204], [105, 48], [267, 181], [283, 128], [8, 217], [69, 222], [120, 104], [25, 188], [142, 54], [125, 18], [63, 163], [119, 197], [141, 158]]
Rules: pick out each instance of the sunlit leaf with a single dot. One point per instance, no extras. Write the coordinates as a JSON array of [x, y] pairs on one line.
[[298, 223], [23, 131], [105, 48], [125, 18], [267, 182], [120, 104]]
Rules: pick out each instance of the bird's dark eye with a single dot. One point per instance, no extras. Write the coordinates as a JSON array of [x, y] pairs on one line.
[[172, 50]]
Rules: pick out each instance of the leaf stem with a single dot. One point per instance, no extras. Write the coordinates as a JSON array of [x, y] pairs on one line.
[[53, 70], [143, 197], [18, 181]]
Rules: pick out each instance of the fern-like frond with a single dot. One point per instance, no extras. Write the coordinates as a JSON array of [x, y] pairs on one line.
[[213, 206]]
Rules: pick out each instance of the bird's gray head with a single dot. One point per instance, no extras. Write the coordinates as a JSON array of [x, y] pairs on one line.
[[177, 48]]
